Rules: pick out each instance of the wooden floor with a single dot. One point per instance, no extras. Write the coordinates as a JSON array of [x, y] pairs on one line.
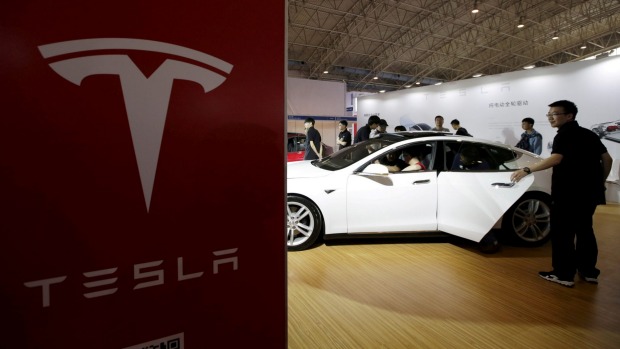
[[446, 294]]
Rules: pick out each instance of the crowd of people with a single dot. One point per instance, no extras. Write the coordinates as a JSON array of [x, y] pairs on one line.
[[531, 140]]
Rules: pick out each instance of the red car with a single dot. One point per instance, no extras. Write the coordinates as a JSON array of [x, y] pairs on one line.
[[296, 147]]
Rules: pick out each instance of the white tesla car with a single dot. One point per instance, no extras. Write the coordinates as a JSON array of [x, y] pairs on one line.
[[463, 189]]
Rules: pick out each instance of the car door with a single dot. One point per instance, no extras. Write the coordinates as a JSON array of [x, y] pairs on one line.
[[394, 202], [470, 202]]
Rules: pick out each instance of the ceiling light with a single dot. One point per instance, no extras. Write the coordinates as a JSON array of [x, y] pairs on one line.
[[475, 10], [375, 78], [529, 66], [520, 24], [326, 72], [417, 82], [382, 91], [583, 47], [477, 75], [555, 36], [407, 86], [438, 83]]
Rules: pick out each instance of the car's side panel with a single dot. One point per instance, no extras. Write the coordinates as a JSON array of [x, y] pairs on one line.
[[398, 202], [329, 194], [470, 203]]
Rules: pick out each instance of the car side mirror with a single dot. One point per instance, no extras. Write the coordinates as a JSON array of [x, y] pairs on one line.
[[376, 170]]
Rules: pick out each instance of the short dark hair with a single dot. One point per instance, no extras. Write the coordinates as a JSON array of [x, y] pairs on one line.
[[568, 106], [528, 120], [438, 117], [400, 128], [309, 120], [383, 122], [455, 122], [374, 119], [343, 122]]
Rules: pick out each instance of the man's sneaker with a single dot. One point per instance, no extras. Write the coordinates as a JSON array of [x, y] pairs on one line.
[[592, 280], [550, 276]]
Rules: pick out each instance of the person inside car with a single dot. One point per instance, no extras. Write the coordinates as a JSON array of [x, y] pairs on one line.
[[471, 160], [393, 162], [413, 157]]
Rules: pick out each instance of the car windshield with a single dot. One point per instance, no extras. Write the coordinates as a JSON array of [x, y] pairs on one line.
[[354, 153]]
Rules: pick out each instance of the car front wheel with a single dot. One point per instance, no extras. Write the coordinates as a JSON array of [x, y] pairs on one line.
[[528, 220], [304, 223]]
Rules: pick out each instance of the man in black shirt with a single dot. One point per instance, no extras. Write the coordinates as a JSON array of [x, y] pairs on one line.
[[344, 137], [363, 133], [460, 131], [313, 141], [581, 165]]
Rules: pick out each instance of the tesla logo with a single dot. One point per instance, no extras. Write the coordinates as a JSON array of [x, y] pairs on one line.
[[103, 282], [146, 98]]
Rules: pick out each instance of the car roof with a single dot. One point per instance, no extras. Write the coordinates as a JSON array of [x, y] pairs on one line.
[[400, 136]]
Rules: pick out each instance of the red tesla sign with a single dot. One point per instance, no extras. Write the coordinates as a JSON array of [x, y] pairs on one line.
[[126, 219]]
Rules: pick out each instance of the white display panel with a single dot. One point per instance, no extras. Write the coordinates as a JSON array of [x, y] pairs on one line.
[[492, 107]]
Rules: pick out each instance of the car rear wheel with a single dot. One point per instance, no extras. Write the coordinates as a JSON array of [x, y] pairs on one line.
[[528, 220], [304, 223]]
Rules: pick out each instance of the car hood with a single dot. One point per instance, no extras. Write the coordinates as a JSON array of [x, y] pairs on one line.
[[304, 169]]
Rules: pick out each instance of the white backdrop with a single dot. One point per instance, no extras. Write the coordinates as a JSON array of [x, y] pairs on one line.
[[492, 107], [315, 97]]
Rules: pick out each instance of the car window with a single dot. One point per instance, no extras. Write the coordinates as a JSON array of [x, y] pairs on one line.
[[353, 154], [472, 156], [297, 143]]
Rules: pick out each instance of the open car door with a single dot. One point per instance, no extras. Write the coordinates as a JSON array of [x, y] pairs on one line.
[[470, 203]]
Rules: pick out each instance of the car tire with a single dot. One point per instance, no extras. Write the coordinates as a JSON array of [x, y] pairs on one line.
[[528, 221], [304, 223]]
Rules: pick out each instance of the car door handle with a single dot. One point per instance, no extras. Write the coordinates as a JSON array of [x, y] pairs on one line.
[[423, 181], [503, 185]]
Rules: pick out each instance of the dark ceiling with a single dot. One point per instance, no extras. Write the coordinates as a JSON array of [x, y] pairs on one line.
[[375, 45]]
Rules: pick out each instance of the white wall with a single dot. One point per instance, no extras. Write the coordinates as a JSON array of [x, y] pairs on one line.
[[492, 107], [316, 98]]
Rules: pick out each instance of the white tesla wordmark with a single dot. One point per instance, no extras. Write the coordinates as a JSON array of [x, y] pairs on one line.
[[146, 99]]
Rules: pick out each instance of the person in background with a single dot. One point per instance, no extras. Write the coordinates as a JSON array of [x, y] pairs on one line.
[[363, 133], [581, 165], [400, 128], [439, 124], [313, 141], [531, 140], [344, 137], [382, 128], [460, 131]]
